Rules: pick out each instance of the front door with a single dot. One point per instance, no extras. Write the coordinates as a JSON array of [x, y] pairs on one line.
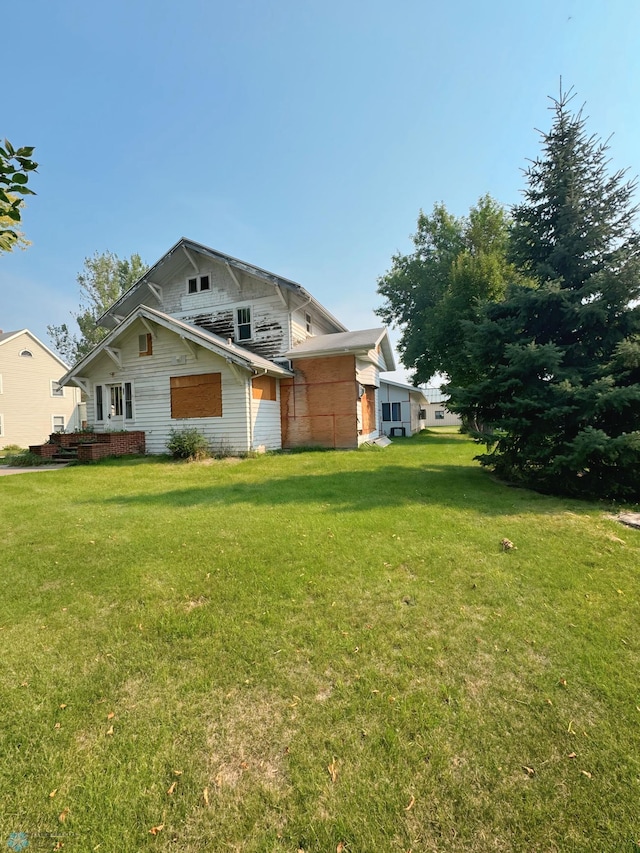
[[115, 406]]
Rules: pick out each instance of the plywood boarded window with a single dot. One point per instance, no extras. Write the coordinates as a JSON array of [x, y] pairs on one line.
[[198, 396], [263, 388]]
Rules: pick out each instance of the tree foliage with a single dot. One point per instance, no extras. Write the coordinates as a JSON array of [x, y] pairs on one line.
[[561, 362], [15, 168], [457, 265], [104, 278]]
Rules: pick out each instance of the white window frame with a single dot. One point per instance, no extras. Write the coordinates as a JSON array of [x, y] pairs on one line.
[[1, 384], [106, 404], [238, 324], [53, 423], [60, 389], [308, 323], [198, 280], [26, 353], [1, 424]]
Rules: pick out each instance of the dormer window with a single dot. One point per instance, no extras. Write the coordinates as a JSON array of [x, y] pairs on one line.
[[198, 283]]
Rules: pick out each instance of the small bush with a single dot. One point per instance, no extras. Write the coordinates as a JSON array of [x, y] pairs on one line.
[[12, 448], [25, 459], [188, 444]]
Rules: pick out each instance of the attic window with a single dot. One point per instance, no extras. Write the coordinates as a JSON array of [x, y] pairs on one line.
[[56, 389], [198, 283], [25, 353], [307, 322], [145, 344]]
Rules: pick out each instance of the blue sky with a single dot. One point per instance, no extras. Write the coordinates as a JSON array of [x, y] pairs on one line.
[[298, 135]]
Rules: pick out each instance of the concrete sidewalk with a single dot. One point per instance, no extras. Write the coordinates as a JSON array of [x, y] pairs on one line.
[[5, 470]]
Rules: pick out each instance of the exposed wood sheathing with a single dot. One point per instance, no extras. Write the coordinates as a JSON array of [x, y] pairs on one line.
[[368, 403], [263, 388], [318, 405]]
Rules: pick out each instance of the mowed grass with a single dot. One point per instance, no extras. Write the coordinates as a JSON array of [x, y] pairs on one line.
[[318, 652]]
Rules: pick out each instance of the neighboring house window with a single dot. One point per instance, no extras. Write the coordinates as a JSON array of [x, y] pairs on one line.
[[439, 414], [198, 283], [25, 353], [422, 415], [99, 404], [145, 344], [391, 412], [57, 422], [198, 396], [56, 389], [307, 322], [243, 323], [263, 388]]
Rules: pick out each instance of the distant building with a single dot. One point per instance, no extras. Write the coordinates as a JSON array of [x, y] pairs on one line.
[[437, 412]]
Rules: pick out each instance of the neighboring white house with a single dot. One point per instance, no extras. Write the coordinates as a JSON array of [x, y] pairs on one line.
[[437, 412], [247, 357], [33, 403], [403, 408]]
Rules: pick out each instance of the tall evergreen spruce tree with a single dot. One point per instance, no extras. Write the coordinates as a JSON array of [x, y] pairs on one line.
[[559, 397]]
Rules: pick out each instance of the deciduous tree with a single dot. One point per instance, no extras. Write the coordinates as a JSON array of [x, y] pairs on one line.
[[458, 264], [103, 279]]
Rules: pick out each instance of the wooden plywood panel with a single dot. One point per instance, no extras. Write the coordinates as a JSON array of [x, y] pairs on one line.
[[319, 405], [196, 396], [368, 410], [263, 388]]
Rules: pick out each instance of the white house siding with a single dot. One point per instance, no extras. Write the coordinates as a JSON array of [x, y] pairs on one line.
[[367, 373], [265, 423], [215, 309], [150, 376], [390, 394], [319, 325], [27, 406]]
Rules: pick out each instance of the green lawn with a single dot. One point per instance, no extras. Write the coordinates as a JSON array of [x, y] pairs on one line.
[[319, 652]]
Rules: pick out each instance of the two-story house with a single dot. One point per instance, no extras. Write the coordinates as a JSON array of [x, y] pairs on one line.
[[33, 403], [249, 358]]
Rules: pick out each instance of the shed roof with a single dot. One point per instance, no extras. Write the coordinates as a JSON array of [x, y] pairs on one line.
[[358, 342]]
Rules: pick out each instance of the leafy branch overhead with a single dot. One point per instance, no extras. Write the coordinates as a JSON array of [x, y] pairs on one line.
[[15, 168]]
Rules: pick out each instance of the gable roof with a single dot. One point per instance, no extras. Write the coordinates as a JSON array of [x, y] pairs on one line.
[[7, 336], [359, 343], [406, 387], [140, 290], [214, 343]]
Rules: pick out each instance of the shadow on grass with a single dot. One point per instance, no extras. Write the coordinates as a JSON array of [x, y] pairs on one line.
[[391, 487]]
